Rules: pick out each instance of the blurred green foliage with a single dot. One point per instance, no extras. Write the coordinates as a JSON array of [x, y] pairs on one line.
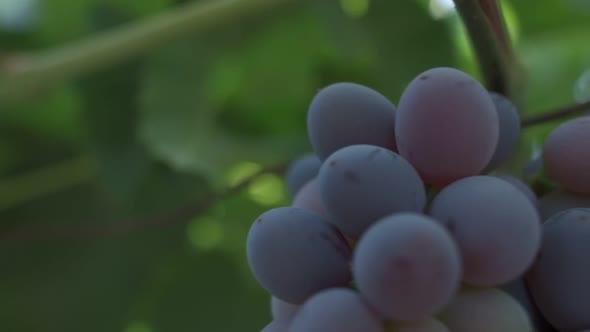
[[153, 133]]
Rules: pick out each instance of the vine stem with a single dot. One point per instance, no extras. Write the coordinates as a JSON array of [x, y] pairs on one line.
[[80, 232], [24, 74], [486, 28], [560, 113]]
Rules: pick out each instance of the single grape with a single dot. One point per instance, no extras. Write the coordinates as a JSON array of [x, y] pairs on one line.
[[519, 291], [523, 187], [495, 225], [362, 183], [294, 253], [446, 125], [566, 155], [560, 200], [484, 310], [509, 130], [276, 326], [425, 325], [309, 198], [407, 266], [301, 171], [560, 278], [281, 310], [344, 114], [336, 310]]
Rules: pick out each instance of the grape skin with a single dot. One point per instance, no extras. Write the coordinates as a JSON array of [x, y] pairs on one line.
[[484, 310], [519, 291], [566, 155], [509, 130], [276, 326], [559, 280], [362, 183], [446, 125], [523, 187], [426, 325], [336, 310], [495, 225], [559, 200], [406, 266], [301, 171], [344, 114], [309, 198], [281, 310], [294, 253]]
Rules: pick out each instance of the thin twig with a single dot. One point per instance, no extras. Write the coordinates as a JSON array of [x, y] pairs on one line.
[[560, 113], [79, 232]]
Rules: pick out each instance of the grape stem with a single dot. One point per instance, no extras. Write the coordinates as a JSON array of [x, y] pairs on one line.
[[486, 28], [556, 114], [83, 231], [22, 75]]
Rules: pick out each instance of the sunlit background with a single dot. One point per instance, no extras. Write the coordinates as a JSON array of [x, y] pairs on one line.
[[202, 113]]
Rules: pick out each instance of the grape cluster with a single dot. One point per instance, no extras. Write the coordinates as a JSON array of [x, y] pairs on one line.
[[397, 225]]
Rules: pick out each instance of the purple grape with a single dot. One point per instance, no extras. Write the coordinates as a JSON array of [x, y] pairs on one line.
[[426, 325], [495, 225], [446, 125], [281, 310], [336, 310], [484, 310], [559, 200], [560, 278], [294, 253], [309, 198], [362, 183], [519, 291], [276, 326], [344, 114], [566, 155], [301, 171], [509, 130], [407, 266], [523, 187]]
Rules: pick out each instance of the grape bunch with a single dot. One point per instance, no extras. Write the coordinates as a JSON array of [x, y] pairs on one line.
[[399, 222]]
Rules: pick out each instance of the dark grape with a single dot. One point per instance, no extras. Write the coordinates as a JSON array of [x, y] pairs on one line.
[[294, 253], [407, 266], [426, 325], [484, 310], [559, 200], [495, 225], [566, 155], [344, 114], [523, 187], [362, 183], [301, 171], [446, 125], [309, 198], [336, 310], [509, 122], [559, 280]]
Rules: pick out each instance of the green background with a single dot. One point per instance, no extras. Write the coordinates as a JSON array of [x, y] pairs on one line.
[[147, 135]]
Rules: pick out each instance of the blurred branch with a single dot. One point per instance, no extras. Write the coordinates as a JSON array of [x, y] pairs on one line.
[[485, 25], [81, 232], [24, 74], [556, 114], [23, 188]]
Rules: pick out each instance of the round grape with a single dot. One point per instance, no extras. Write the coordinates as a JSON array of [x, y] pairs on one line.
[[309, 198], [484, 310], [446, 125], [560, 278], [301, 171], [426, 325], [523, 187], [407, 266], [344, 114], [495, 225], [294, 253], [509, 130], [336, 310], [566, 155], [362, 183]]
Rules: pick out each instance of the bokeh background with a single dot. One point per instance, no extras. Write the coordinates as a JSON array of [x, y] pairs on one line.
[[144, 136]]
